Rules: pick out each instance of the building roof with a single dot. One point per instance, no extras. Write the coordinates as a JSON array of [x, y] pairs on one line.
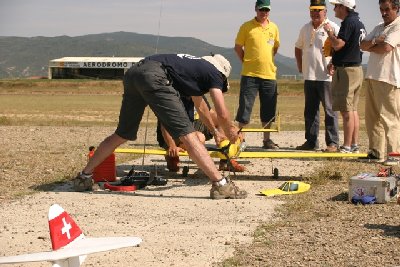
[[94, 62]]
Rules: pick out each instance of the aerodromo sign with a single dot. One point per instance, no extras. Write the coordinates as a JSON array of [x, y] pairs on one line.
[[98, 63]]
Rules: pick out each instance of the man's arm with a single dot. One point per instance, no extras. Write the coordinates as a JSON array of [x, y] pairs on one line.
[[298, 53], [224, 118], [206, 117], [173, 149], [204, 112], [239, 52], [337, 43], [376, 45]]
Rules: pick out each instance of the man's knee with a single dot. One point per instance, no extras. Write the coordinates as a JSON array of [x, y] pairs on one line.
[[114, 140]]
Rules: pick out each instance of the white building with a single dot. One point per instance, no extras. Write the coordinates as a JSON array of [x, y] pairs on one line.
[[90, 67]]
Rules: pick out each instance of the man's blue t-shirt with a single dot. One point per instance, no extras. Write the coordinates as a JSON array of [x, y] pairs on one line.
[[190, 75], [352, 32]]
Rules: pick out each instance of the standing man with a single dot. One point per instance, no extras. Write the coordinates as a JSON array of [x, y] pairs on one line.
[[348, 74], [256, 44], [382, 106], [312, 63], [158, 81]]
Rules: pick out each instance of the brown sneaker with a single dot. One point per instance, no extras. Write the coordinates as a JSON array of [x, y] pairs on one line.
[[83, 182], [229, 190], [172, 163], [235, 166], [331, 148]]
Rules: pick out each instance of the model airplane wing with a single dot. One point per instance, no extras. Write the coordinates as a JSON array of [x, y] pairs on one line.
[[253, 154], [69, 244], [215, 154], [82, 247], [295, 154]]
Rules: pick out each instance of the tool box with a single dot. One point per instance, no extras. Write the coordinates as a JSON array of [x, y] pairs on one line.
[[369, 184]]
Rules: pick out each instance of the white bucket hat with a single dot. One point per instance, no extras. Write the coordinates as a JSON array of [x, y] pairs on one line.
[[347, 3], [221, 63]]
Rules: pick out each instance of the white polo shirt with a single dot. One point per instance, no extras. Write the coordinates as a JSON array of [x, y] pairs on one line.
[[311, 42], [386, 67]]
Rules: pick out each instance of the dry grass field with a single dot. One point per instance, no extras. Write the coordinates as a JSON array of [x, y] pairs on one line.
[[319, 228]]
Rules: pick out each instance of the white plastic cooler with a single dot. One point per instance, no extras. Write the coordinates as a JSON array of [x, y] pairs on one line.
[[368, 184]]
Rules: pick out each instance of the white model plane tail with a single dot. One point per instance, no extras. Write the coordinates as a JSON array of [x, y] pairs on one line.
[[70, 246]]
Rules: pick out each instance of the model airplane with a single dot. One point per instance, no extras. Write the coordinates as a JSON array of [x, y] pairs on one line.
[[287, 188], [69, 244]]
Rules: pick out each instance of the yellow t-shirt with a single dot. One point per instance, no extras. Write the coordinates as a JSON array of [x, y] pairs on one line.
[[259, 43]]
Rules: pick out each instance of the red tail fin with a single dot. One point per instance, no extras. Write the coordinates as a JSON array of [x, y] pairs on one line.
[[63, 229]]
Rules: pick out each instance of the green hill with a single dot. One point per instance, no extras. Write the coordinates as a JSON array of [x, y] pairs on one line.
[[25, 57]]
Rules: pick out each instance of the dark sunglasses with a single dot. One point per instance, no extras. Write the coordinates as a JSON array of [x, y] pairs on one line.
[[316, 10], [263, 9]]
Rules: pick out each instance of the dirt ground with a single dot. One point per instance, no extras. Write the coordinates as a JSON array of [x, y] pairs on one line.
[[179, 224]]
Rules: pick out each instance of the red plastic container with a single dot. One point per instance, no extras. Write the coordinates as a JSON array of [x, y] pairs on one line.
[[106, 171]]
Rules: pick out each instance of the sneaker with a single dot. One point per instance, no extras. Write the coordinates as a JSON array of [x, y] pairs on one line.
[[371, 156], [391, 162], [83, 182], [344, 149], [234, 166], [269, 144], [172, 163], [355, 149], [229, 190], [331, 149], [307, 146]]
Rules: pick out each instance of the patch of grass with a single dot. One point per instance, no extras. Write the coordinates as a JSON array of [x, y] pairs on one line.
[[5, 121], [231, 262], [300, 208]]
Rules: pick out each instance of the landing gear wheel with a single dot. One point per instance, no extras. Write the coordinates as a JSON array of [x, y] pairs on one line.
[[276, 173], [185, 171]]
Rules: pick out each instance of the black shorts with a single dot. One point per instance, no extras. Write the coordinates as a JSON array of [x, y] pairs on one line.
[[147, 83]]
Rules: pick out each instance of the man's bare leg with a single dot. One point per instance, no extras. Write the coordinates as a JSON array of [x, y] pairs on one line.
[[105, 149], [348, 127], [199, 154], [354, 139], [267, 135]]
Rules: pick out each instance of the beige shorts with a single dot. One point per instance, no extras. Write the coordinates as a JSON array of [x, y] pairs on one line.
[[346, 87]]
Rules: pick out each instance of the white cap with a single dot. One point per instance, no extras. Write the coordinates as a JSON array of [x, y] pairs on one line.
[[221, 63], [347, 3]]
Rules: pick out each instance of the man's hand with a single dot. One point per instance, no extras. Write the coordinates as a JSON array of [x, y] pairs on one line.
[[331, 69], [173, 151], [218, 136], [233, 134], [328, 28], [380, 39]]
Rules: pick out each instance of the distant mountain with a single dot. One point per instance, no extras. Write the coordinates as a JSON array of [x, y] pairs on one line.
[[25, 57]]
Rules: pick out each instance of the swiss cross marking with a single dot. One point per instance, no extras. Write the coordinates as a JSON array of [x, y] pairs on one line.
[[66, 228]]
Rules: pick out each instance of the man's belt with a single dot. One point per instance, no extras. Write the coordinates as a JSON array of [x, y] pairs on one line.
[[344, 65]]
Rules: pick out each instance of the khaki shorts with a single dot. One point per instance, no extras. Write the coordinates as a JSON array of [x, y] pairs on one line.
[[346, 87]]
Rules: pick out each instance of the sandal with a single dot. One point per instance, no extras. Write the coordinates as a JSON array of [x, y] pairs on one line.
[[269, 144]]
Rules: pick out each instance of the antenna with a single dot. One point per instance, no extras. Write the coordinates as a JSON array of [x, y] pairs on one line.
[[159, 25], [147, 113]]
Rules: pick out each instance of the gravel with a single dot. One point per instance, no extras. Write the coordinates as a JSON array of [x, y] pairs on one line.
[[179, 224]]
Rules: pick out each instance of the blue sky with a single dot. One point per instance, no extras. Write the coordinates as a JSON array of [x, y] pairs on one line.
[[213, 21]]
